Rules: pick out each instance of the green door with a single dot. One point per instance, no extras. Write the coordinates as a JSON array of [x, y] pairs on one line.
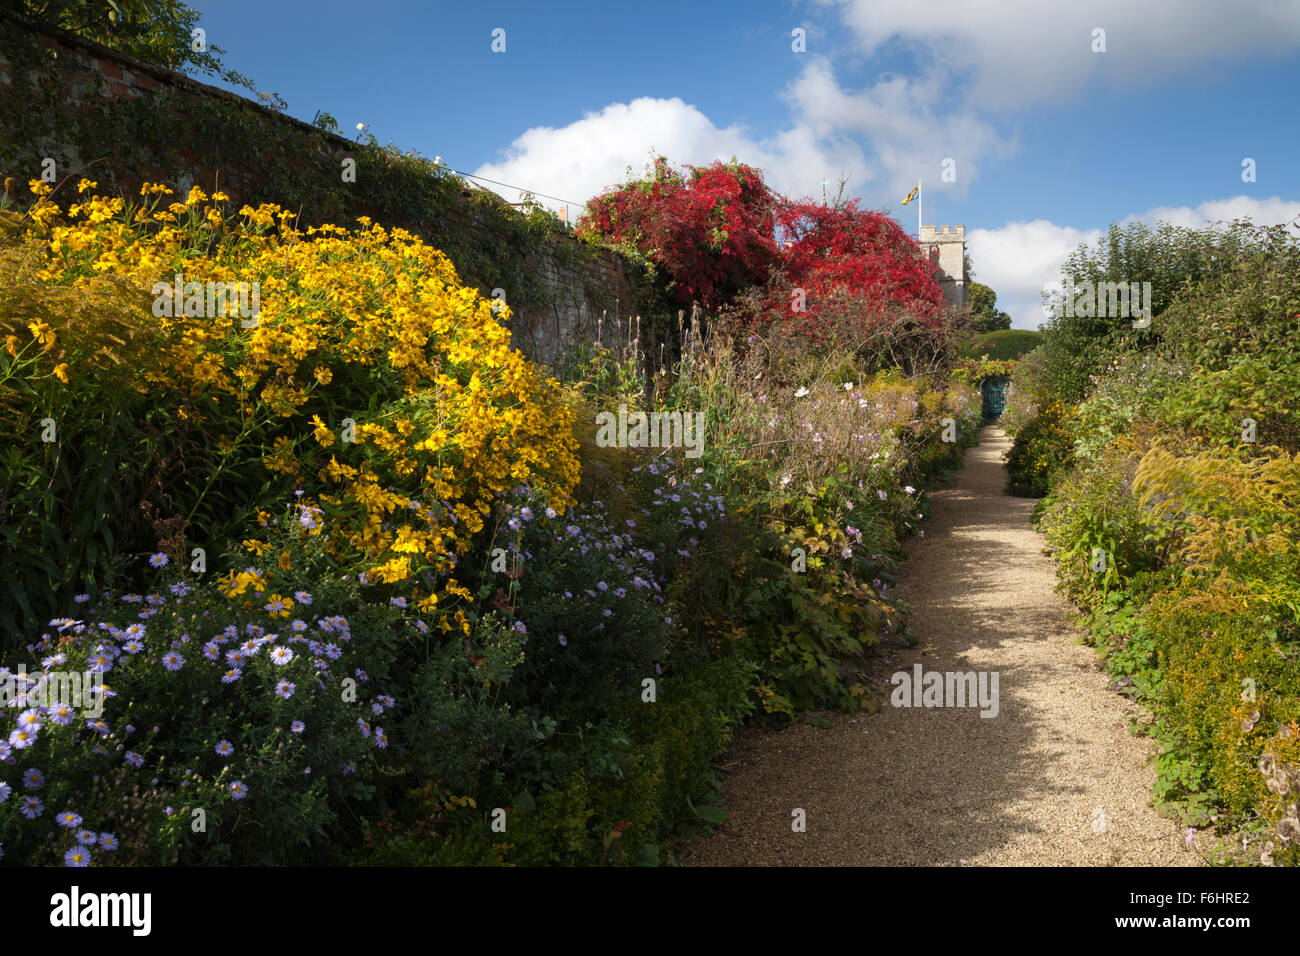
[[995, 397]]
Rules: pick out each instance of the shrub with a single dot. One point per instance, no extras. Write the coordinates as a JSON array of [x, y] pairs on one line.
[[371, 327], [1092, 513], [1041, 450], [263, 708], [1004, 344]]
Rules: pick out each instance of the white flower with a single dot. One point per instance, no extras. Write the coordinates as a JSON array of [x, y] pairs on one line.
[[848, 386], [909, 489], [801, 393], [785, 480]]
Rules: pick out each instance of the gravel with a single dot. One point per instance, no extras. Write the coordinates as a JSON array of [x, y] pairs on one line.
[[1055, 779]]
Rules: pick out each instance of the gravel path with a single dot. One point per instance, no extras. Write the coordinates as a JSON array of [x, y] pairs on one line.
[[943, 786]]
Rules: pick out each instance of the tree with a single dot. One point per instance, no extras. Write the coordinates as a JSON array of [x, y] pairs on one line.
[[984, 313], [159, 32]]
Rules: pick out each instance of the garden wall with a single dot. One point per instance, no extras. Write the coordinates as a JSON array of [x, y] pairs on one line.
[[118, 121]]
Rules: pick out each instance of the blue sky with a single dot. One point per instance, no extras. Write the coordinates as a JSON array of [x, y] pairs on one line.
[[1050, 139]]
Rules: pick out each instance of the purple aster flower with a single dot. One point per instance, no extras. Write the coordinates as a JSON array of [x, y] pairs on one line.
[[77, 856]]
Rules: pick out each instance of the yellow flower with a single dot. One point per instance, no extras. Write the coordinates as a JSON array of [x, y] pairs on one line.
[[321, 432], [43, 334], [278, 606], [255, 546], [86, 184], [61, 372], [285, 561], [323, 375]]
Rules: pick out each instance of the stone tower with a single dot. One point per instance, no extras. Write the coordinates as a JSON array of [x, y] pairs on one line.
[[947, 250]]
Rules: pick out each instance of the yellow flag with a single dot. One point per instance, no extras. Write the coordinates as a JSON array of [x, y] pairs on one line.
[[913, 194]]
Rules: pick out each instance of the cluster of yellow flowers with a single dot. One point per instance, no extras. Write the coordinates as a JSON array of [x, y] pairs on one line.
[[369, 325]]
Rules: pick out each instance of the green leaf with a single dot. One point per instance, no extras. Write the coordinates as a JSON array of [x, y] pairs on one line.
[[649, 855], [708, 814]]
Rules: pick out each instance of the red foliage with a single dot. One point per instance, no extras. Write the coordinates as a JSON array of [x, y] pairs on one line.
[[711, 230], [859, 250], [718, 230]]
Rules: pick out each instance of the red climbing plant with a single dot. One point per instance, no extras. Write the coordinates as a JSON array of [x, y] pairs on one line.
[[847, 249], [716, 231], [709, 228]]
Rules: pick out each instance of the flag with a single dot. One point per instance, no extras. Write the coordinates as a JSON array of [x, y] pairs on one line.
[[913, 194]]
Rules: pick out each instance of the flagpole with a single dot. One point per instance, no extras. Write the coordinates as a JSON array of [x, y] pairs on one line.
[[920, 205]]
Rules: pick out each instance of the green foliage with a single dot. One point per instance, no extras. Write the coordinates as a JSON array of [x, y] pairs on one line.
[[1201, 619], [1042, 449], [984, 314], [658, 767], [1093, 511], [1172, 258]]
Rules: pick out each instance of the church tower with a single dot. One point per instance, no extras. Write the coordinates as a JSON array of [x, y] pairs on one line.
[[947, 250]]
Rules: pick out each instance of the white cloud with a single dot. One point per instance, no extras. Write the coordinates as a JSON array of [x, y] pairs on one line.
[[1263, 212], [909, 134], [1011, 53], [578, 161], [1021, 259]]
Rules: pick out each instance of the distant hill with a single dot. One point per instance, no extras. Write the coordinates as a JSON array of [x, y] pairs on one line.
[[1005, 343]]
